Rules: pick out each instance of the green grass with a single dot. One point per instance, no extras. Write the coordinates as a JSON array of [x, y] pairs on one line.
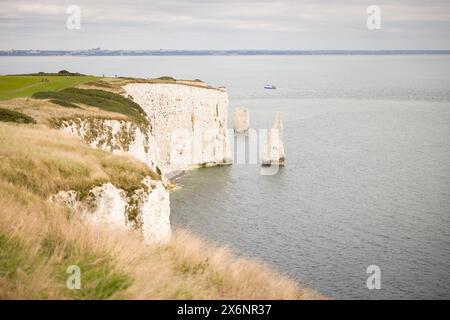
[[101, 99], [64, 103], [25, 86], [166, 78], [13, 257], [7, 115], [100, 278], [60, 73]]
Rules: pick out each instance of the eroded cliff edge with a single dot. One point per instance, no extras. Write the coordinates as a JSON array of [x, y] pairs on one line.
[[185, 127]]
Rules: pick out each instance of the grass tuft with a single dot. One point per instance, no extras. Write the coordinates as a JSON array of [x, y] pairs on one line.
[[166, 78], [13, 257], [64, 103], [7, 115]]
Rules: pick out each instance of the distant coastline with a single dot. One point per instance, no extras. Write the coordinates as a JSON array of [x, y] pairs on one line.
[[162, 52]]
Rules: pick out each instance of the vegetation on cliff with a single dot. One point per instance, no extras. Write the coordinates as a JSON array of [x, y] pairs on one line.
[[101, 99], [7, 115], [40, 240]]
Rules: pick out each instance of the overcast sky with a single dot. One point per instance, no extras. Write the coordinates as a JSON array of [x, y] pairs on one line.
[[224, 24]]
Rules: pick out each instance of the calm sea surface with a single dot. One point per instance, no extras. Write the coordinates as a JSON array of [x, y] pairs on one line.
[[367, 175]]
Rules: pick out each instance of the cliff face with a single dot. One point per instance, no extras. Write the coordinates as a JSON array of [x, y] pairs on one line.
[[189, 123], [273, 150], [187, 128], [117, 136], [241, 120], [146, 209]]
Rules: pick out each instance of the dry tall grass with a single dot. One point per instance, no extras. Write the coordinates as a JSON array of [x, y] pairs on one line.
[[46, 161], [39, 240]]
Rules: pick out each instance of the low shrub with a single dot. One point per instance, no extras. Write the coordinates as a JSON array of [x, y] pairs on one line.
[[7, 115]]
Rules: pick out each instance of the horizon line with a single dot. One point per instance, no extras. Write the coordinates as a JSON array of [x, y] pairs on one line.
[[212, 52]]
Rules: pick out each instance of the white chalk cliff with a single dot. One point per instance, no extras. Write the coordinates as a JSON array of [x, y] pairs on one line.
[[117, 136], [189, 123], [241, 120], [146, 209], [188, 127], [273, 149]]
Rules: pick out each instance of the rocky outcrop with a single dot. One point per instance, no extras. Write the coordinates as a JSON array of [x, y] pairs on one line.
[[117, 136], [146, 209], [189, 123], [241, 120], [273, 150], [187, 126]]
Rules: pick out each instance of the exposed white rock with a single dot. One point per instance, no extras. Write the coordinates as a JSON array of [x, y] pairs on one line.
[[156, 222], [65, 199], [188, 128], [241, 120], [117, 136], [273, 150], [109, 205], [146, 209], [189, 123]]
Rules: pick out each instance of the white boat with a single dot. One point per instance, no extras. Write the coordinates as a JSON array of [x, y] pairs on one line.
[[269, 86]]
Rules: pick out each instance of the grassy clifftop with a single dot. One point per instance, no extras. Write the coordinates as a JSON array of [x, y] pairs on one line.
[[104, 100], [76, 91], [17, 86]]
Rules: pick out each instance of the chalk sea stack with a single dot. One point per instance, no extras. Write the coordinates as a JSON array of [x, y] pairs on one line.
[[241, 120], [273, 152]]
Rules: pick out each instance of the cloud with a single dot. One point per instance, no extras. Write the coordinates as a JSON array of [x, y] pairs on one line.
[[195, 24]]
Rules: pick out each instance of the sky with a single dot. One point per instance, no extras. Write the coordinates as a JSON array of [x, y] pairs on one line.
[[224, 24]]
